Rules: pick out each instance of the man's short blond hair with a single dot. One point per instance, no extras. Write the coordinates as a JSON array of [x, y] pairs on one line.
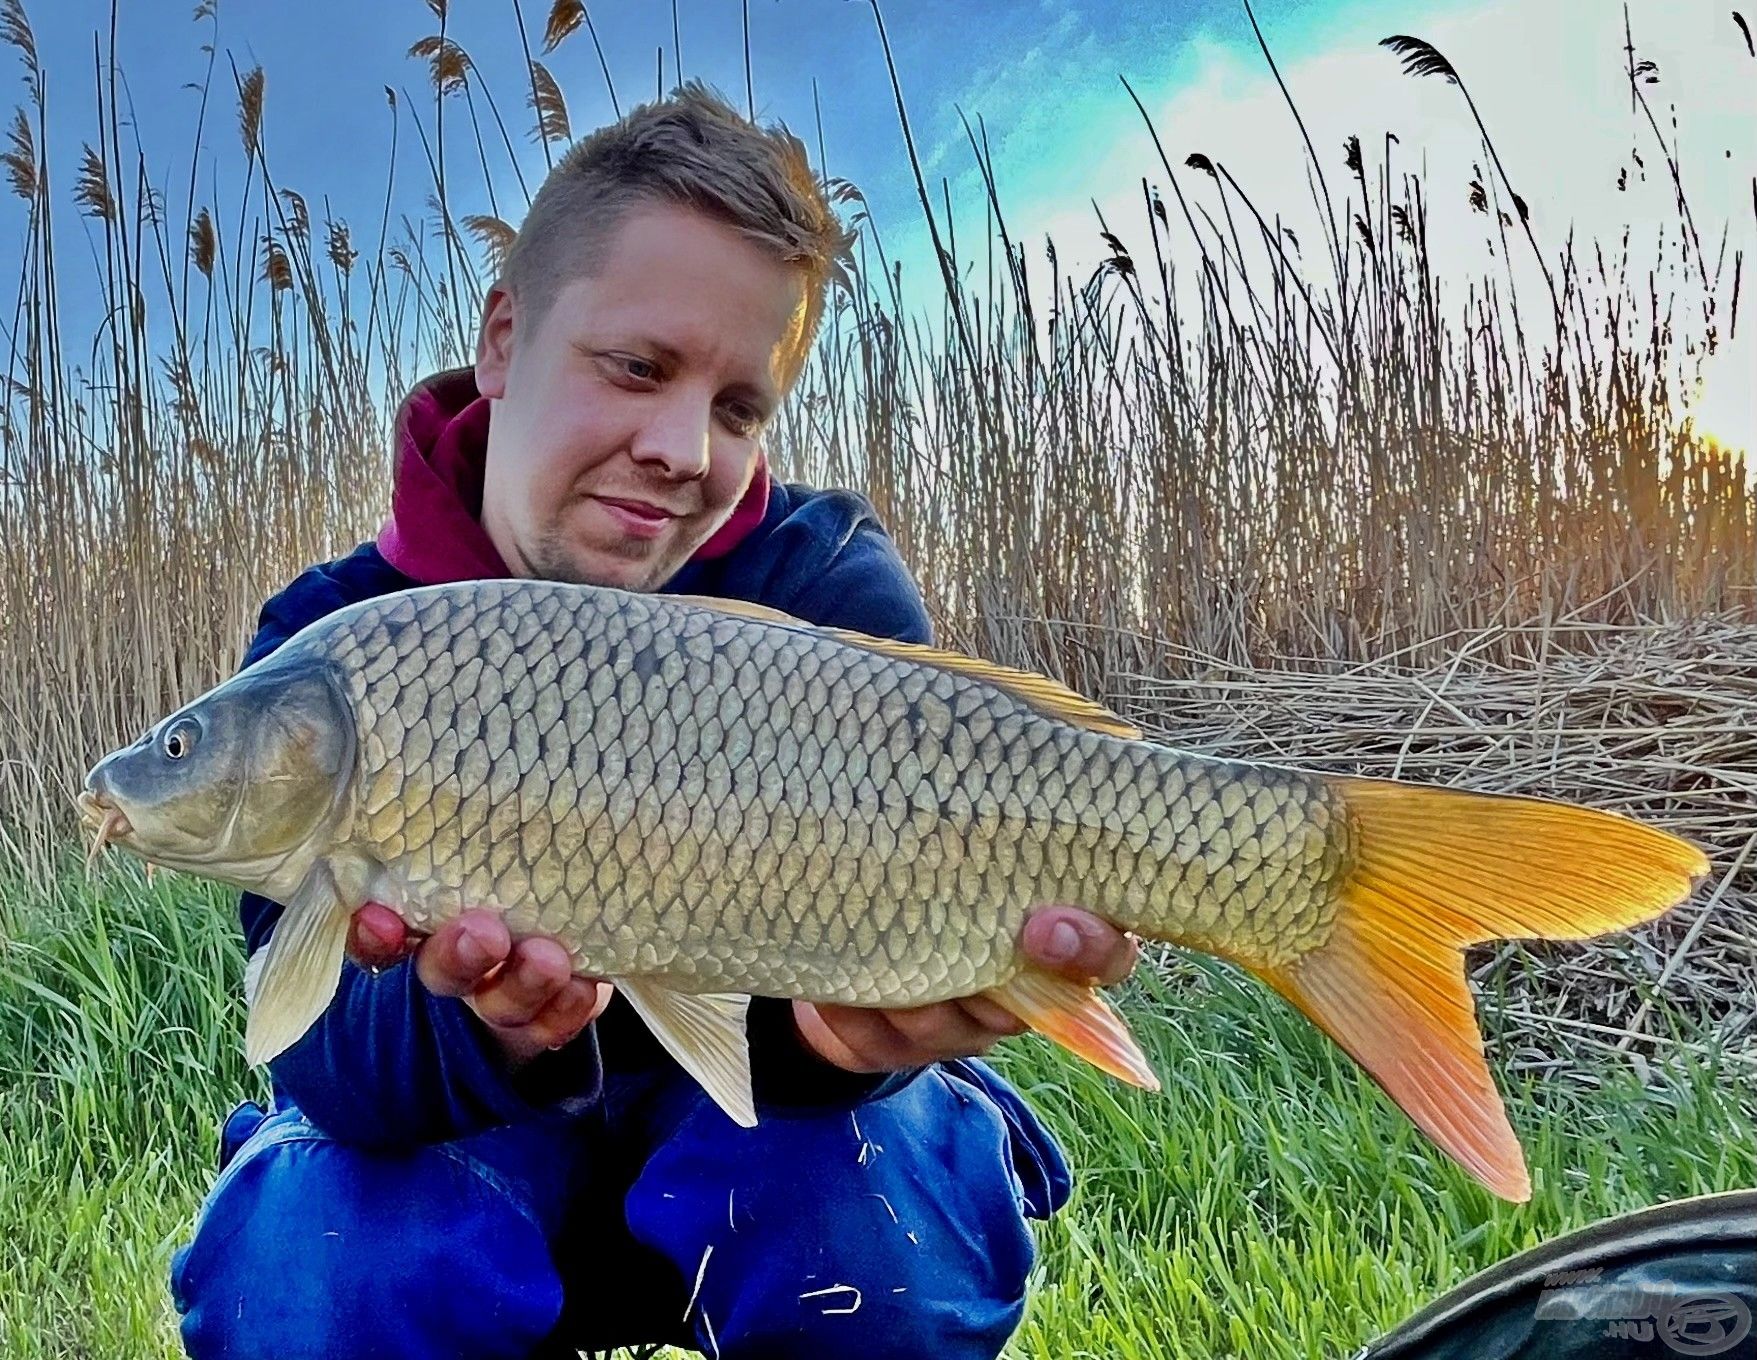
[[691, 149]]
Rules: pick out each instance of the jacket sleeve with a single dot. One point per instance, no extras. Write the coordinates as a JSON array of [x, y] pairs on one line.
[[848, 574], [845, 571], [389, 1063]]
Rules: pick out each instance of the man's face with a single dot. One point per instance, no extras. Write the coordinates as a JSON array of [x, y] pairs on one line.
[[625, 427]]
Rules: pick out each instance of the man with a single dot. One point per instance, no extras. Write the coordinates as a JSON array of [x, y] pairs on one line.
[[474, 1153]]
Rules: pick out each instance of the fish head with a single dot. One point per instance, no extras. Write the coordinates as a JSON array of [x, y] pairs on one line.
[[241, 784]]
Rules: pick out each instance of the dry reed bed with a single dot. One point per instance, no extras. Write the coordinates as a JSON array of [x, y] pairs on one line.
[[1205, 444], [1655, 721]]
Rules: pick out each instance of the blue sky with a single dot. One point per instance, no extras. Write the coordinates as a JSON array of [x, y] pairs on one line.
[[1043, 74]]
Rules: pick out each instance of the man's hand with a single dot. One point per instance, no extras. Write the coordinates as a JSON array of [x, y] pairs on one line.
[[526, 994], [1064, 940]]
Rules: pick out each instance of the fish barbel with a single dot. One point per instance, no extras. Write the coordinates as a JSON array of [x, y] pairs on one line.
[[704, 800]]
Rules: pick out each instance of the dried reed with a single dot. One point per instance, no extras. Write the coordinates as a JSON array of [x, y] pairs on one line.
[[1366, 472]]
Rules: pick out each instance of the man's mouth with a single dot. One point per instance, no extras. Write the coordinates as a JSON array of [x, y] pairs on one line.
[[640, 519]]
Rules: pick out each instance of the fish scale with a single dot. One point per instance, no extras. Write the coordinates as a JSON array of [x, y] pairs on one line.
[[955, 807], [703, 801]]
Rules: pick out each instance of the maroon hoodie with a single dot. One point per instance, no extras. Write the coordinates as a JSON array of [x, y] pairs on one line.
[[434, 534]]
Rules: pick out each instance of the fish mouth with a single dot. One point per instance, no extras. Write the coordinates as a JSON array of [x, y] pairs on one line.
[[107, 822]]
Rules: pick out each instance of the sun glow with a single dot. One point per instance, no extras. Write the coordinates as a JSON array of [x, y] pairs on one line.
[[1723, 408]]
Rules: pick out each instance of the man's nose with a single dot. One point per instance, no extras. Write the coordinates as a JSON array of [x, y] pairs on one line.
[[674, 439]]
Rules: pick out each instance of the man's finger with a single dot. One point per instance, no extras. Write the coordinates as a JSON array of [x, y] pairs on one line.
[[823, 1040], [997, 1019], [863, 1039], [535, 973], [943, 1030], [579, 1002], [1078, 945], [377, 937], [462, 952], [853, 1038]]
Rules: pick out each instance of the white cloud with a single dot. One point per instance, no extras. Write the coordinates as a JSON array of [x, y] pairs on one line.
[[1547, 77]]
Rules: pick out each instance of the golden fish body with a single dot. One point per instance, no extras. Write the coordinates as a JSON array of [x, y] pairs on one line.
[[733, 804], [704, 801]]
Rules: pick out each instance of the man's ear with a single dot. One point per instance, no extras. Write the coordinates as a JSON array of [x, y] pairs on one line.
[[494, 341]]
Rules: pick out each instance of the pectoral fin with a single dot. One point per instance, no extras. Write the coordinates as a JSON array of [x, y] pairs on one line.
[[253, 975], [299, 970], [705, 1033]]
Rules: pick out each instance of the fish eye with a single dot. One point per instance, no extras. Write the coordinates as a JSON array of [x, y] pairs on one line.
[[180, 739]]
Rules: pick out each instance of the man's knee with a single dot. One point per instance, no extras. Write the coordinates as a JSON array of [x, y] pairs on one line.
[[308, 1247], [897, 1230]]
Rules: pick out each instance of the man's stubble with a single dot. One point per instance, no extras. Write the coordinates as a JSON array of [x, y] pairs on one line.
[[549, 559]]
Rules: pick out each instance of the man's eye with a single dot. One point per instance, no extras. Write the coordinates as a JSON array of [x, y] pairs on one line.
[[743, 418], [632, 366]]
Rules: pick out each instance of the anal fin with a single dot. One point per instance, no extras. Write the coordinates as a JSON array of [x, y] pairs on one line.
[[705, 1033], [1080, 1020]]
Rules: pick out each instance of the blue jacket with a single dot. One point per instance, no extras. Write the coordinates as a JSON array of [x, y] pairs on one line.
[[389, 1063]]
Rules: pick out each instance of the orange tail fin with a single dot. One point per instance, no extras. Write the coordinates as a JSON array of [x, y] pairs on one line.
[[1437, 869]]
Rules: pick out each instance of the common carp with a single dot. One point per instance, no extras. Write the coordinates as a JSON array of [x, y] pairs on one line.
[[705, 800]]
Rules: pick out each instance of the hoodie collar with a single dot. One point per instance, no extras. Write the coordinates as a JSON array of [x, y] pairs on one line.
[[434, 534]]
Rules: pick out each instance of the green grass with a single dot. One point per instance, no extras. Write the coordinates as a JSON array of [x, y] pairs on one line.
[[1271, 1203]]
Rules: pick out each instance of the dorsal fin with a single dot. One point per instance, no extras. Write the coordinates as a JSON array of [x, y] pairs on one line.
[[743, 608], [1049, 697]]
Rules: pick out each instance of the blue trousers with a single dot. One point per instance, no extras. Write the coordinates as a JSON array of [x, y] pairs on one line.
[[896, 1229]]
